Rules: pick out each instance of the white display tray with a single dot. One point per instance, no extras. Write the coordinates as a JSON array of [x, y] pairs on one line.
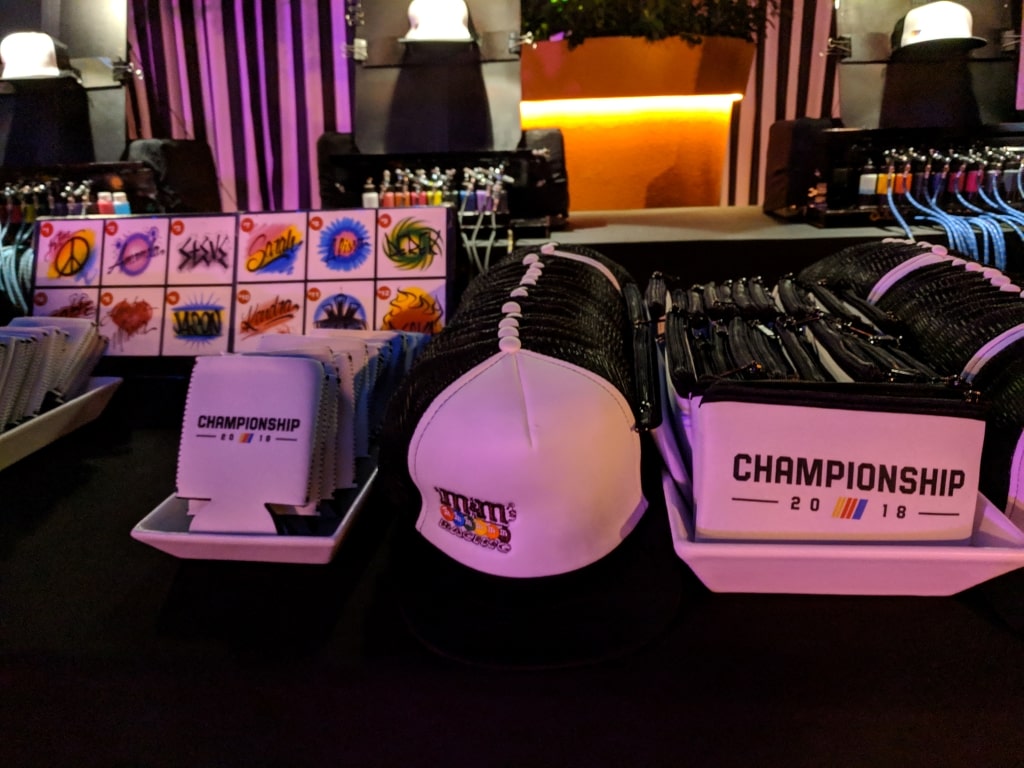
[[166, 528], [30, 436], [997, 547]]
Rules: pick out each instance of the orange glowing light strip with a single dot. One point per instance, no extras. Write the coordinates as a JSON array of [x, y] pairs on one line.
[[637, 105]]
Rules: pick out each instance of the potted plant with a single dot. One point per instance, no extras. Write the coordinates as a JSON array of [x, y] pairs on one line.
[[639, 47], [689, 20]]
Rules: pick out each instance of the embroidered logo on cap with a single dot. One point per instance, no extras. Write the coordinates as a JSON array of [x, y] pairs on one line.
[[485, 523]]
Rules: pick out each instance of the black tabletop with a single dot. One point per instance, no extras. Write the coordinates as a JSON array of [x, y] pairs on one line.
[[113, 653]]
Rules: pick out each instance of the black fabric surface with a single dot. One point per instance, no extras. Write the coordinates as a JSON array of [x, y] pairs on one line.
[[115, 654], [45, 121]]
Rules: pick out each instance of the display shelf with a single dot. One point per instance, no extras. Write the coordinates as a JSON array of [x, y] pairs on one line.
[[997, 547], [40, 431], [166, 529]]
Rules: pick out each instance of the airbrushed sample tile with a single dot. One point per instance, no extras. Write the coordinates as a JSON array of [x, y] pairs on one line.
[[135, 251], [66, 302], [271, 247], [341, 245], [131, 318], [411, 243], [417, 306], [68, 252], [347, 304], [202, 250], [197, 320], [262, 308]]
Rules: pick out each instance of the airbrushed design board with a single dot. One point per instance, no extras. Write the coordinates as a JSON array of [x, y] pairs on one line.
[[212, 283]]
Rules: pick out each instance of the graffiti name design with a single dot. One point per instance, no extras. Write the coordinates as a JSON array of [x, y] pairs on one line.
[[262, 317], [207, 252], [199, 322], [80, 305], [277, 254], [135, 253]]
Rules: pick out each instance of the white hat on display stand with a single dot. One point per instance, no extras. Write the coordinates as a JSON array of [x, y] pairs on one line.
[[28, 54], [936, 29]]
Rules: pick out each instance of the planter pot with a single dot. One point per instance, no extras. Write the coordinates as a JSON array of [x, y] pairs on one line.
[[626, 145], [609, 67]]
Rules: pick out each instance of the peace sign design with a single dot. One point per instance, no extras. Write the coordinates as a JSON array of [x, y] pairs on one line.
[[73, 255]]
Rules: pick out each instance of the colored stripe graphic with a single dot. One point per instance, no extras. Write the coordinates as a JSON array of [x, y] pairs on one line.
[[861, 506], [849, 508], [245, 437], [840, 507]]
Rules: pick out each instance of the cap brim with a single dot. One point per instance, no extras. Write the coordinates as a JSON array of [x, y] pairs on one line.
[[931, 50], [595, 614]]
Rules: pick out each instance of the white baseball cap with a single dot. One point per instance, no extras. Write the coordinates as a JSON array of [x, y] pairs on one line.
[[28, 54], [934, 30], [528, 466], [530, 546]]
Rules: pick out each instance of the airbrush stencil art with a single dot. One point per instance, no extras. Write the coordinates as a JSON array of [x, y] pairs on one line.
[[201, 250], [340, 304], [67, 268], [130, 317], [68, 252], [208, 284], [414, 307], [271, 247], [344, 244], [197, 320], [65, 302], [412, 243], [270, 273], [264, 308], [134, 252]]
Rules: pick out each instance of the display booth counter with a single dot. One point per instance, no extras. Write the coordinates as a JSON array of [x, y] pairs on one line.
[[148, 656], [160, 660]]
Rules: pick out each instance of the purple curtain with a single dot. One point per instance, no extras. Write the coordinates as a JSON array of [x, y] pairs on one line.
[[261, 80], [258, 80]]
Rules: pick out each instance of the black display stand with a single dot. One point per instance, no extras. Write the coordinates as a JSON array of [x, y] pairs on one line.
[[44, 121], [414, 95]]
